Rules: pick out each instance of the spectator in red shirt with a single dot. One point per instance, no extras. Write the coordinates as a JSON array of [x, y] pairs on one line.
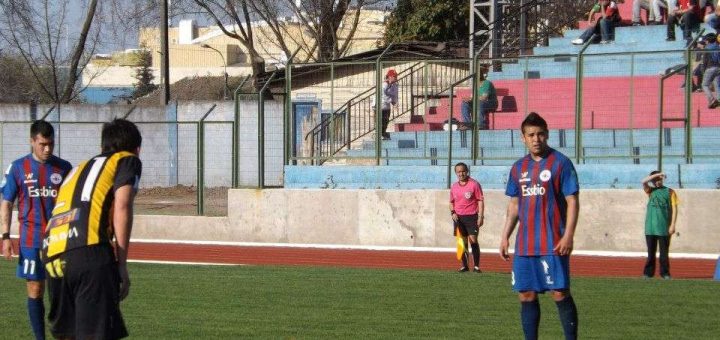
[[687, 14]]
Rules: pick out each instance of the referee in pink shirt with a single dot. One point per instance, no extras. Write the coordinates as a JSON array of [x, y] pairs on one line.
[[467, 210]]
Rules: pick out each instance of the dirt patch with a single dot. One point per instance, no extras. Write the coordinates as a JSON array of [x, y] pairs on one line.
[[180, 200]]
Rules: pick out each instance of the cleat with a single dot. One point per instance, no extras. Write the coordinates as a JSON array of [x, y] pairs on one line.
[[477, 270], [462, 269]]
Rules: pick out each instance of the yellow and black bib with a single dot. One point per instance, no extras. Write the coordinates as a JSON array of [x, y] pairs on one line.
[[83, 211]]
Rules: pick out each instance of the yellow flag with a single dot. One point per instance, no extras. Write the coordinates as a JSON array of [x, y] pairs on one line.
[[460, 244]]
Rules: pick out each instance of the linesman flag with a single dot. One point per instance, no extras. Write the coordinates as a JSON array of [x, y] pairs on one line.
[[460, 244]]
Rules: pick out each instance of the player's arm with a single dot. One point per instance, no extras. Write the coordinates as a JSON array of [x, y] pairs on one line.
[[5, 217], [645, 182], [481, 213], [673, 206], [123, 220], [565, 246], [511, 218]]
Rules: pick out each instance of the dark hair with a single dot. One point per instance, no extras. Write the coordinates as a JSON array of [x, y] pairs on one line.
[[534, 119], [120, 135], [654, 172], [43, 128], [462, 164]]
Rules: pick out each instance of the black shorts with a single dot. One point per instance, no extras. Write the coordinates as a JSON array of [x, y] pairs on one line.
[[85, 302], [467, 225]]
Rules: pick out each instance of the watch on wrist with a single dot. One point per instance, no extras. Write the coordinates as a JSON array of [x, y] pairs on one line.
[[452, 212], [6, 236]]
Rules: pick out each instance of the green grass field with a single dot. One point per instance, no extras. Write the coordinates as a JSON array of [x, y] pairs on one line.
[[213, 302]]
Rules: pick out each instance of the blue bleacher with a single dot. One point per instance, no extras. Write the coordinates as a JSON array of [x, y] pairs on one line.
[[627, 40]]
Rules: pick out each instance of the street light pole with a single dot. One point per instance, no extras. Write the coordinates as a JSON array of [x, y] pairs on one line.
[[224, 66]]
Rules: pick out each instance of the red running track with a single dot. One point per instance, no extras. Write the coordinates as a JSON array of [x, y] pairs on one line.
[[600, 266]]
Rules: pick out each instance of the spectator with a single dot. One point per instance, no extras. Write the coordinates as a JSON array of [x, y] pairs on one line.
[[486, 102], [389, 99], [711, 75], [699, 69], [662, 6], [712, 20], [647, 5], [610, 17], [660, 220], [687, 14]]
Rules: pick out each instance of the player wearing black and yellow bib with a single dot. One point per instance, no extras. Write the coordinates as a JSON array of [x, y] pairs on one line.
[[86, 240]]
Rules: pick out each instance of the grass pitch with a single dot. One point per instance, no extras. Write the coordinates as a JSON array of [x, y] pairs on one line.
[[217, 302]]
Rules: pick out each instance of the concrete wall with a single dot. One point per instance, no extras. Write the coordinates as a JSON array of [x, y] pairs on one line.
[[610, 220], [169, 150]]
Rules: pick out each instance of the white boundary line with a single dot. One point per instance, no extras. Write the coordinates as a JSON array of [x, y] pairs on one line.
[[187, 263], [423, 249]]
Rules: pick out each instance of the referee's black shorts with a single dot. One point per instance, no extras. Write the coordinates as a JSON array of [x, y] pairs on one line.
[[467, 225], [85, 302]]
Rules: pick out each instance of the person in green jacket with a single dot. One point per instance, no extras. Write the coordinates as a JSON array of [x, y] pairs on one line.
[[660, 220]]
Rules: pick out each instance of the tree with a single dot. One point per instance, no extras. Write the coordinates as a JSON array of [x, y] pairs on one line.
[[34, 30], [144, 75], [330, 25], [422, 20], [18, 86]]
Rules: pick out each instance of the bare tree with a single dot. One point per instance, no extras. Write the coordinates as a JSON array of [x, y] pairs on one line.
[[322, 29], [34, 30], [233, 18]]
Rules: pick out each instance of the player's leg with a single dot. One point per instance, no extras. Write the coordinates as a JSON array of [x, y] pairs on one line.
[[470, 222], [462, 227], [651, 241], [558, 281], [529, 314], [525, 282], [664, 242], [30, 268]]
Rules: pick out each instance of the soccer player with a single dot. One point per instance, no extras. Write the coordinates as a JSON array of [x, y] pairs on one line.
[[86, 243], [34, 181], [543, 190], [466, 202]]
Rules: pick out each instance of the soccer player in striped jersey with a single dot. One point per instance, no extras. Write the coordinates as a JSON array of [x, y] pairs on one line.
[[85, 246], [543, 190], [34, 181]]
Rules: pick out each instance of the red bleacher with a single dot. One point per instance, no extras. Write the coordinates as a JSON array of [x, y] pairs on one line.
[[606, 104]]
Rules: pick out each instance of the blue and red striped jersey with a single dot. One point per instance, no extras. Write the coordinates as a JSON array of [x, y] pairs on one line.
[[35, 185], [541, 188]]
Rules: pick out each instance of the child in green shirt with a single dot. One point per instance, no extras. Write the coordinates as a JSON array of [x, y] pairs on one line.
[[660, 220]]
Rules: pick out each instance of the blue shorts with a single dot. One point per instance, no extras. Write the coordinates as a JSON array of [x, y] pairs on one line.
[[30, 267], [540, 273]]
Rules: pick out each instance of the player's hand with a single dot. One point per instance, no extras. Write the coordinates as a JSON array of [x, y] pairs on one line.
[[564, 247], [124, 282], [671, 230], [7, 249], [454, 217], [504, 244], [480, 222]]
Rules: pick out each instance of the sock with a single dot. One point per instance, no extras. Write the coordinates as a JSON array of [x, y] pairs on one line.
[[568, 317], [36, 312], [530, 318], [476, 253]]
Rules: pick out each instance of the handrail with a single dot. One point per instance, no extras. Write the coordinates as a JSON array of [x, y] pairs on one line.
[[688, 94], [336, 144], [450, 130], [578, 99]]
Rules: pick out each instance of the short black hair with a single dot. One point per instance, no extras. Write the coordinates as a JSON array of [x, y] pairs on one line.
[[120, 135], [654, 172], [462, 164], [534, 119], [43, 128]]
